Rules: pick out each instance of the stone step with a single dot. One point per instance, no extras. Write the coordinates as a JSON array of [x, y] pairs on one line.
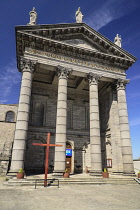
[[90, 180], [69, 181]]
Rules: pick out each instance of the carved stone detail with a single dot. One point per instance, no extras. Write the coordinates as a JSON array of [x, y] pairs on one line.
[[63, 72], [121, 84], [33, 17], [79, 16], [118, 40], [27, 65], [93, 78]]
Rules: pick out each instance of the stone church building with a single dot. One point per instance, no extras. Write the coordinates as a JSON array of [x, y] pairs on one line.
[[73, 86]]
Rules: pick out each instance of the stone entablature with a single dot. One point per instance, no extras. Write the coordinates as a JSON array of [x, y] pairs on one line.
[[77, 51], [44, 38], [78, 69], [79, 62]]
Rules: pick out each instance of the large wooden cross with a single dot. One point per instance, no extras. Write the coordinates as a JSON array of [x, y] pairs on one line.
[[48, 145]]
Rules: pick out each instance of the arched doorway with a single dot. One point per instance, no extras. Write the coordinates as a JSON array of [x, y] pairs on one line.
[[69, 157]]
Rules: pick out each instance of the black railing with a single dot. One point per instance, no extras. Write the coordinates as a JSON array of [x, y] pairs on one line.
[[137, 180], [48, 183]]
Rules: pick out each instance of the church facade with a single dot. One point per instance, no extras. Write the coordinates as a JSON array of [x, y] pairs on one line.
[[73, 86]]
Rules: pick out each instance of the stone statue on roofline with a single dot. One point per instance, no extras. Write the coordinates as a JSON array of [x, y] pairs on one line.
[[79, 16], [33, 17], [118, 40]]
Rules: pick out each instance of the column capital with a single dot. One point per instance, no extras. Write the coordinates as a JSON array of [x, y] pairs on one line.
[[63, 72], [27, 65], [93, 78], [121, 84]]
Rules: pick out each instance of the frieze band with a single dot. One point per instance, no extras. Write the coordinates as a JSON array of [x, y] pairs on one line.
[[73, 60]]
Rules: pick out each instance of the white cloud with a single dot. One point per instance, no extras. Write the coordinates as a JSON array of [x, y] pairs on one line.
[[108, 11], [135, 122], [135, 77], [3, 101], [133, 95], [9, 76], [131, 39]]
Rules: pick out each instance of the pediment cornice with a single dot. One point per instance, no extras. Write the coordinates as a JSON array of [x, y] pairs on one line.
[[51, 38]]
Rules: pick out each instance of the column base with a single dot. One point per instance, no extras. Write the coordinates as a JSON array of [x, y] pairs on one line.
[[95, 173], [58, 174], [11, 174]]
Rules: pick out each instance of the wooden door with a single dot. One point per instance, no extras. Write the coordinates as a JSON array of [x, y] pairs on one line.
[[68, 163], [68, 158]]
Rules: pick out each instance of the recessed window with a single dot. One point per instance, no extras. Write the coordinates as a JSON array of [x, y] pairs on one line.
[[69, 118], [39, 114], [10, 116]]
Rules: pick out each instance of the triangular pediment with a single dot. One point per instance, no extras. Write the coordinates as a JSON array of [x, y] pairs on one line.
[[74, 37], [81, 43]]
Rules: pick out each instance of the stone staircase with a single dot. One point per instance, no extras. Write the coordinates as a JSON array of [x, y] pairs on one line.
[[73, 180]]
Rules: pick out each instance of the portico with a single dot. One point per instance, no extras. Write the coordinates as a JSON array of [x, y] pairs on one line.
[[73, 86]]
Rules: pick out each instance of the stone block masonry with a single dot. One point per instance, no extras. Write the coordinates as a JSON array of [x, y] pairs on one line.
[[7, 129]]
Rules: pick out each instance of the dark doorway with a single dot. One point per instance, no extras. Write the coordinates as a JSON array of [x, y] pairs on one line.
[[68, 158]]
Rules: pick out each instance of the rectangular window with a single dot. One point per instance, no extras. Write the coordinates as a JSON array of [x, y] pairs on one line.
[[109, 163]]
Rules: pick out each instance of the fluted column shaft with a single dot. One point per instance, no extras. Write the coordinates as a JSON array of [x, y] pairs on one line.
[[128, 167], [17, 161], [95, 142], [61, 119]]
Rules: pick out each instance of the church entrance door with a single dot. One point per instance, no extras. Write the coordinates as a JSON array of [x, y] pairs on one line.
[[68, 156], [68, 164]]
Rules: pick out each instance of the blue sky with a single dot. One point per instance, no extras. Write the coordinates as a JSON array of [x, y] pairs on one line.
[[108, 17]]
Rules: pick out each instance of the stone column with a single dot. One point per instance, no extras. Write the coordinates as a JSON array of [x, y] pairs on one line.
[[128, 167], [20, 137], [95, 142], [61, 119]]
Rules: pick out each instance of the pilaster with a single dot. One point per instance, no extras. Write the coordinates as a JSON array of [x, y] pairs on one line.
[[95, 142], [61, 119], [17, 162], [128, 167], [117, 162]]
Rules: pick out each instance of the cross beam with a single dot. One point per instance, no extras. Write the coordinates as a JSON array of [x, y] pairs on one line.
[[47, 145]]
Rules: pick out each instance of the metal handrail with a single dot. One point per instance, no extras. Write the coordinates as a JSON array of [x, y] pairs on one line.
[[47, 180], [137, 180]]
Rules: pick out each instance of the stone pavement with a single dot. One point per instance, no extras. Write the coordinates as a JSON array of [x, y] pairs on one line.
[[71, 197]]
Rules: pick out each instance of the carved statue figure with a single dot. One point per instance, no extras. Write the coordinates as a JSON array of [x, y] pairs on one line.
[[79, 16], [118, 40], [33, 17]]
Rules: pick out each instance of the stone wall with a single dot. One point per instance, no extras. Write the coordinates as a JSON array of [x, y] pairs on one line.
[[110, 130], [104, 105], [136, 165], [7, 129], [117, 163]]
